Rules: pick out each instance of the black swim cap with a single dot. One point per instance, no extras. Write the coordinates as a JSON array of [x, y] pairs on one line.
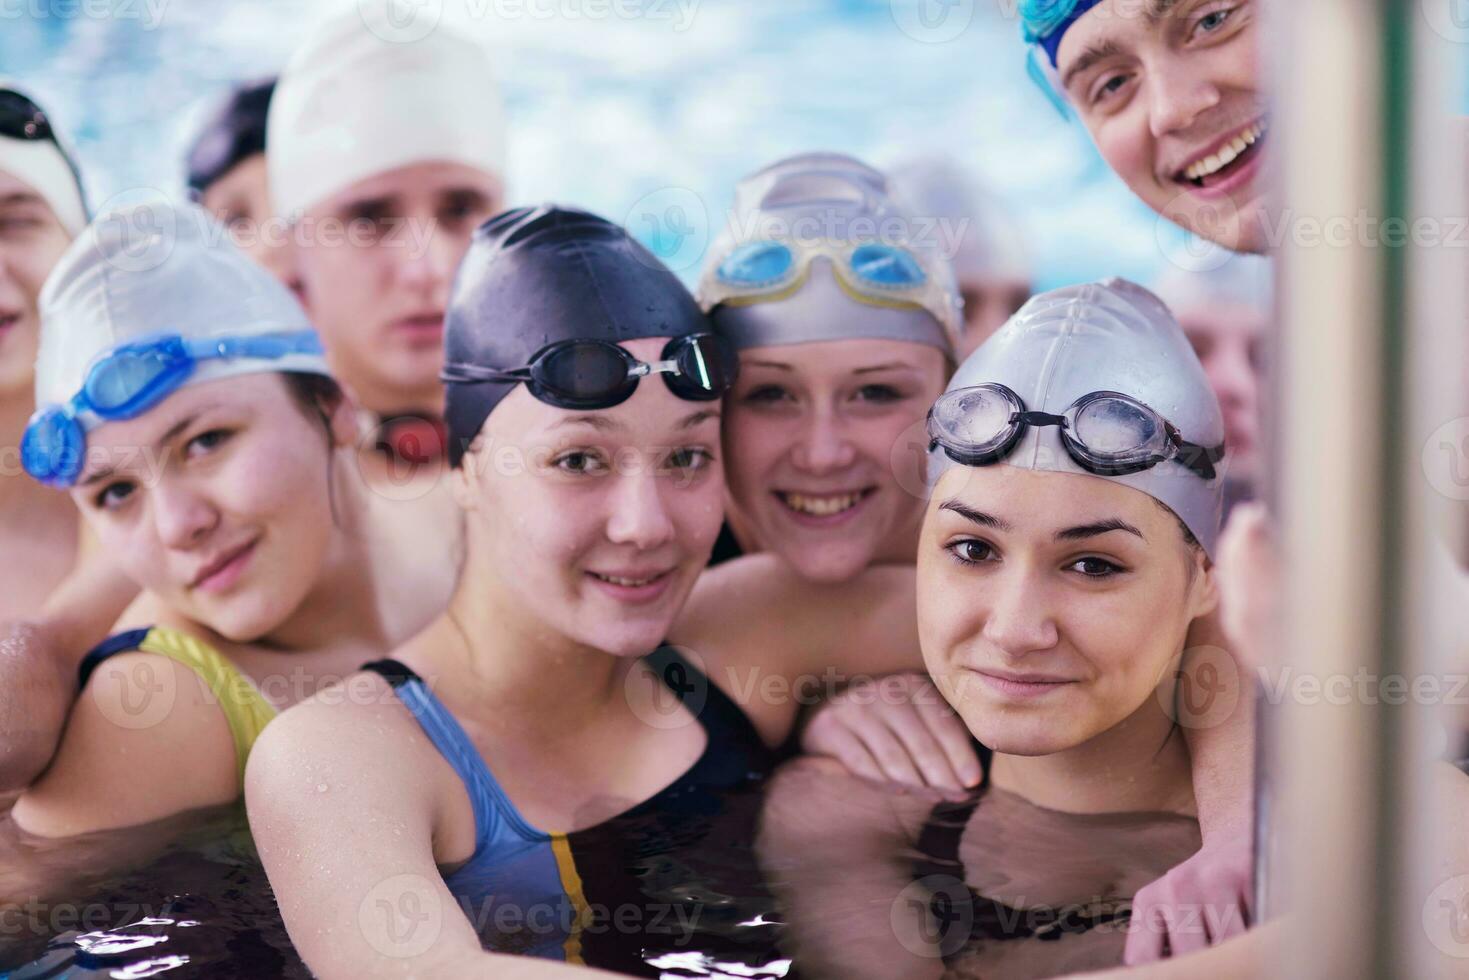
[[233, 134], [536, 276]]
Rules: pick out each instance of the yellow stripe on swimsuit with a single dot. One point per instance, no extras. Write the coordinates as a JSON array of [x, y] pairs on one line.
[[245, 709]]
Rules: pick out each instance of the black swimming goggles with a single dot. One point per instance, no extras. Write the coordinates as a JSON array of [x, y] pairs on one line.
[[22, 119], [1105, 432], [593, 374]]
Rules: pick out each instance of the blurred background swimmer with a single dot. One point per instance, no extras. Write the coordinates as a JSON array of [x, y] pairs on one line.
[[1225, 304], [385, 153], [991, 262], [226, 174], [844, 309]]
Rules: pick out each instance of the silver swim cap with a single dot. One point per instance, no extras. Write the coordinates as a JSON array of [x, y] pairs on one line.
[[1115, 337], [817, 250]]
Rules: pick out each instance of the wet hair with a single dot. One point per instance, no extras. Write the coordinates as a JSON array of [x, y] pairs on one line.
[[233, 134], [315, 394]]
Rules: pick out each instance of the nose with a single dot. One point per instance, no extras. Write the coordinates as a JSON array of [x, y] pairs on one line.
[[428, 263], [823, 446], [1179, 95], [639, 515], [1233, 375], [1019, 620], [183, 516]]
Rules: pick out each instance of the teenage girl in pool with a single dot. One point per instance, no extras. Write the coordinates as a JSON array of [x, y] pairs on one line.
[[186, 406], [519, 757], [1065, 553]]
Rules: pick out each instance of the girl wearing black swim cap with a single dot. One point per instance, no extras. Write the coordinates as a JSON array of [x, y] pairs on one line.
[[567, 735]]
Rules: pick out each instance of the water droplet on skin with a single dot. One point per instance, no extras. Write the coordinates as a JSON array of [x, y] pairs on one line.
[[321, 787]]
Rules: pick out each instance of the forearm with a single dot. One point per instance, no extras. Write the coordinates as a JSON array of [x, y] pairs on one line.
[[1221, 739], [36, 692]]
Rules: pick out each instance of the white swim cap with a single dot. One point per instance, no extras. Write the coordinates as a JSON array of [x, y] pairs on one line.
[[42, 161], [359, 99], [156, 269]]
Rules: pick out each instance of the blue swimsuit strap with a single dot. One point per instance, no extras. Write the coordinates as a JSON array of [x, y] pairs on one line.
[[113, 645], [493, 811]]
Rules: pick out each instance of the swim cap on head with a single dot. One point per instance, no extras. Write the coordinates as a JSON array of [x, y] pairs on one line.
[[234, 133], [159, 269], [1045, 22], [817, 249], [1111, 336], [358, 100], [985, 241], [1210, 276], [535, 276], [31, 150]]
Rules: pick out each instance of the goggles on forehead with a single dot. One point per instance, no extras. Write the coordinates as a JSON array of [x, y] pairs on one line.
[[595, 374], [1107, 433], [127, 381]]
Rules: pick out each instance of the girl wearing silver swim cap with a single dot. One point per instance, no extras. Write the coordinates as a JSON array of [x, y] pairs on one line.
[[1063, 560], [843, 309], [574, 726], [184, 404]]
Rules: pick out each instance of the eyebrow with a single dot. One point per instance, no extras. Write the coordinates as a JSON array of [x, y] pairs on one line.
[[1082, 531], [20, 197], [698, 417], [1077, 533], [769, 364], [604, 424], [976, 516], [890, 366], [1154, 12], [165, 439]]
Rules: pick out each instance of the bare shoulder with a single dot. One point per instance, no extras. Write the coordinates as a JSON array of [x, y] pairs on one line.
[[355, 733]]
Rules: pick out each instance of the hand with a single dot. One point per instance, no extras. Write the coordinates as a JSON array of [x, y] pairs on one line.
[[1200, 903], [1249, 584], [896, 729], [36, 691]]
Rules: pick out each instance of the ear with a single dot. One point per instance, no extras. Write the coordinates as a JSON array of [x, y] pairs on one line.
[[464, 482], [1204, 593], [344, 421]]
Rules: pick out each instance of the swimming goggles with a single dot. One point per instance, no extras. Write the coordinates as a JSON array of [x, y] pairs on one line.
[[874, 272], [22, 119], [126, 381], [593, 374], [1105, 432]]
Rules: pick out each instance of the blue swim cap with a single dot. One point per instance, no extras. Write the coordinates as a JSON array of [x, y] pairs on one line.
[[1045, 22]]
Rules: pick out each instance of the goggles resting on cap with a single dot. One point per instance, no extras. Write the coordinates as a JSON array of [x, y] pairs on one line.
[[127, 381], [594, 374], [1106, 432]]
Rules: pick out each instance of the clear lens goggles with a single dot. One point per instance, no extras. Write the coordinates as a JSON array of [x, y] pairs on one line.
[[1105, 432]]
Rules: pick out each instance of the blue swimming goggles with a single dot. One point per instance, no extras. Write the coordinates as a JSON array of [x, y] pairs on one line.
[[127, 381], [873, 272]]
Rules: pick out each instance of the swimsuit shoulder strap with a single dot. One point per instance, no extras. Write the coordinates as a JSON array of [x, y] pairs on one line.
[[494, 815], [728, 728], [245, 708]]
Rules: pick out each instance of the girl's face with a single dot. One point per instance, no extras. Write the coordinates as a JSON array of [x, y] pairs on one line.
[[1052, 605], [595, 524], [31, 243], [813, 438], [217, 501]]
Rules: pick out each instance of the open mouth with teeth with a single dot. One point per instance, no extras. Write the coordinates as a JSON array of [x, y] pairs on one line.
[[1228, 160], [629, 583], [823, 505]]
